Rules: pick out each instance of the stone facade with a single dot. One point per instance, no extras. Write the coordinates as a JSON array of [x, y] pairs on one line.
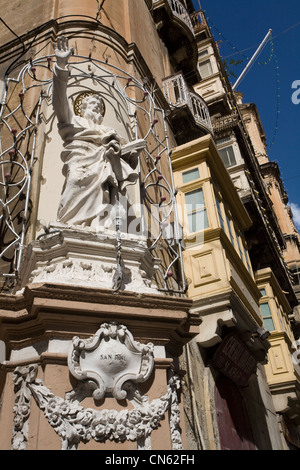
[[141, 328]]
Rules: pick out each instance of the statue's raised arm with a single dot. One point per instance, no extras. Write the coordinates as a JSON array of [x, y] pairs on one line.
[[60, 80]]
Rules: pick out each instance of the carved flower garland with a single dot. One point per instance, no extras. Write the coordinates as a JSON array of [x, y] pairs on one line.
[[23, 376], [75, 424]]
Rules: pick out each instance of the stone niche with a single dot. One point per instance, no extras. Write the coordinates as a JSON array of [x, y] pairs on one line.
[[50, 144]]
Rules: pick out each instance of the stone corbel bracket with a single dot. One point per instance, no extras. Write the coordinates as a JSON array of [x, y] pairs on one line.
[[109, 359]]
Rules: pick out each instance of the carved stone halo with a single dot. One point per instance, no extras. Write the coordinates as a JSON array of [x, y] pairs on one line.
[[109, 359], [81, 96]]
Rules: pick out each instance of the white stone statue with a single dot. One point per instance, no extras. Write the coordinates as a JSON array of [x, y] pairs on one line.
[[98, 164]]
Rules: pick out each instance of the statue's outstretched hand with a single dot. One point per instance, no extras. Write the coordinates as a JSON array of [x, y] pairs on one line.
[[62, 51]]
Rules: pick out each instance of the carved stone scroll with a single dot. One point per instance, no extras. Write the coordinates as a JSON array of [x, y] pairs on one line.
[[109, 359]]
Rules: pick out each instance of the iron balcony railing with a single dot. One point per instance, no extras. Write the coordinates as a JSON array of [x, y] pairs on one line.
[[179, 11], [178, 94]]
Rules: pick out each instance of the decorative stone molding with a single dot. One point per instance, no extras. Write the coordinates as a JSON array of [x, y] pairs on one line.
[[109, 359], [214, 312], [211, 327], [23, 377], [175, 414], [75, 424], [109, 362]]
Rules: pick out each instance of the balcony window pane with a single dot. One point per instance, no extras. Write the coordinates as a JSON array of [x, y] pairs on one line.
[[240, 244], [190, 175], [228, 157], [194, 199], [196, 211], [202, 54], [229, 229], [220, 214], [205, 69], [197, 221], [263, 292], [267, 316], [268, 324]]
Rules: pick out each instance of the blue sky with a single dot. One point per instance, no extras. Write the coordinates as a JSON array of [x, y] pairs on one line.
[[241, 26]]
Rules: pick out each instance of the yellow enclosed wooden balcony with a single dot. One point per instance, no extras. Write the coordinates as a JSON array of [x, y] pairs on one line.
[[216, 261]]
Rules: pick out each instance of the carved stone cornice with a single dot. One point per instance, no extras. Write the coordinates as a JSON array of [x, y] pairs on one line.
[[70, 256], [225, 122], [163, 363], [44, 308], [25, 300]]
